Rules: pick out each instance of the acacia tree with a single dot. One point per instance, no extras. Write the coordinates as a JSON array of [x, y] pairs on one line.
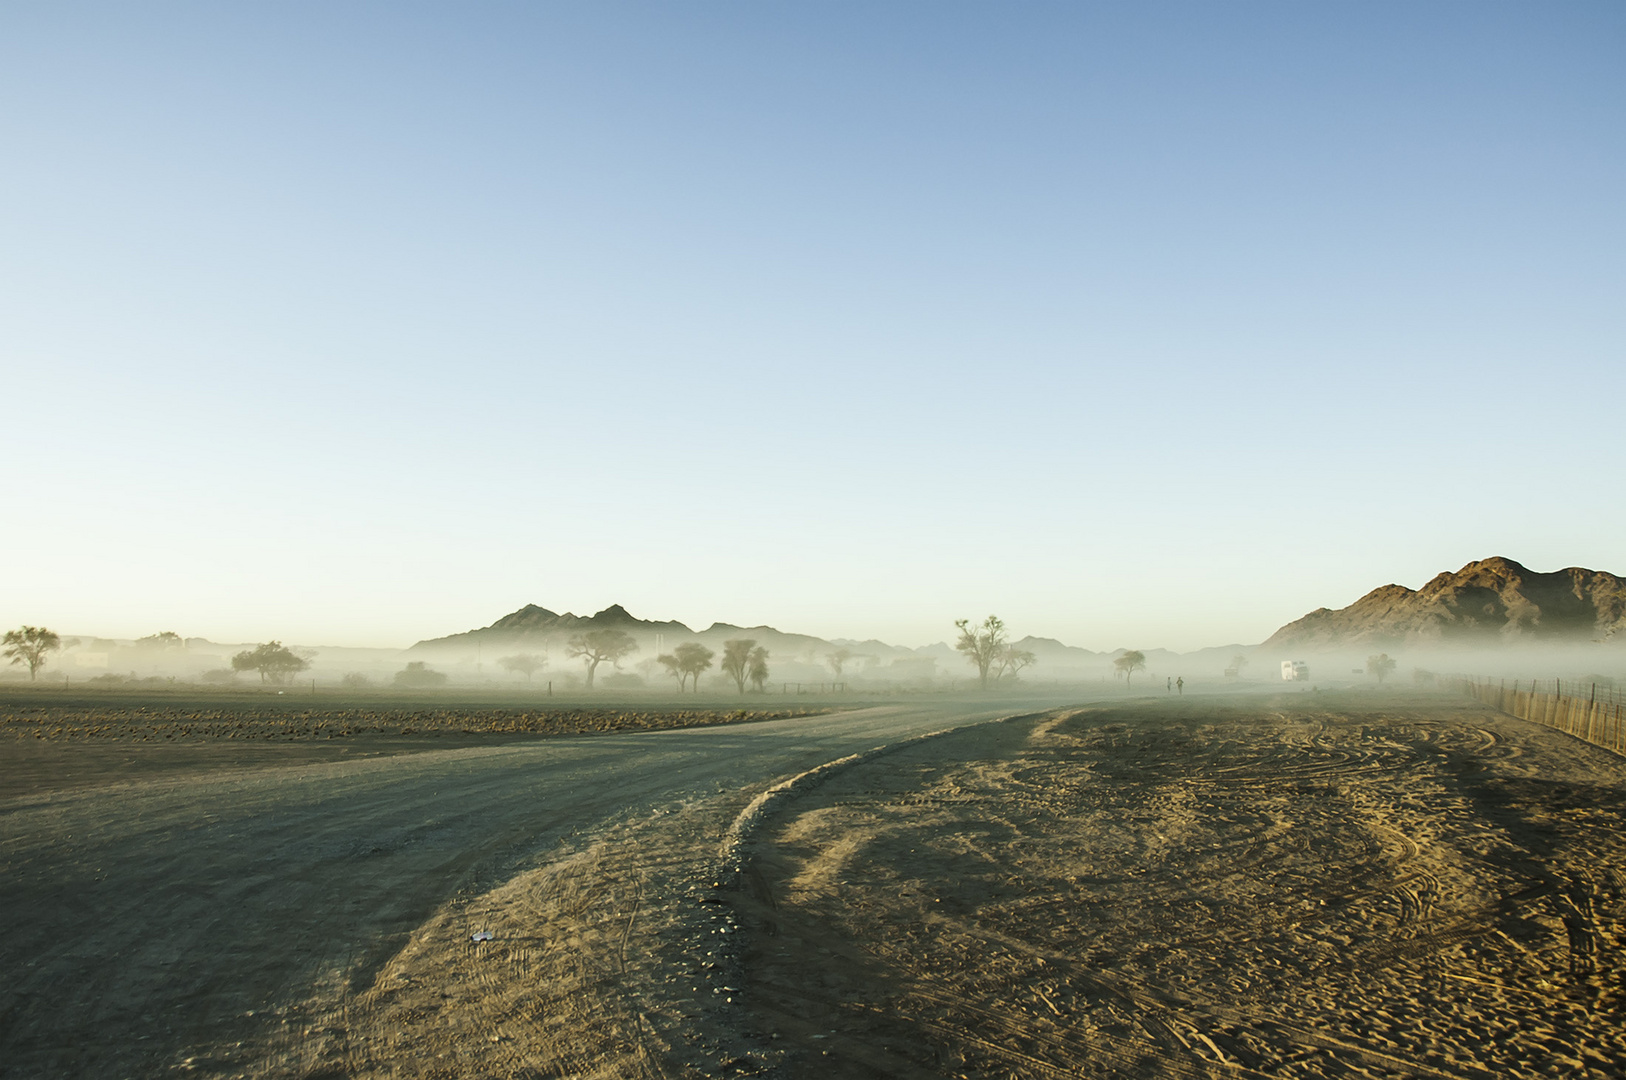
[[1379, 666], [673, 668], [757, 670], [526, 664], [597, 646], [275, 662], [30, 645], [981, 644], [689, 660], [164, 639], [838, 660], [1130, 662], [1012, 660], [736, 663]]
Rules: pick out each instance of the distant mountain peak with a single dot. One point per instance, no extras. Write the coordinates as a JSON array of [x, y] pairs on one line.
[[1487, 602], [533, 622], [527, 617]]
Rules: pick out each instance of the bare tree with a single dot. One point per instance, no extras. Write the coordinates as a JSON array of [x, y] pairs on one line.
[[275, 662], [1379, 666], [526, 664], [1130, 662], [736, 662], [1012, 660], [597, 646], [30, 645], [981, 644], [838, 660], [757, 672]]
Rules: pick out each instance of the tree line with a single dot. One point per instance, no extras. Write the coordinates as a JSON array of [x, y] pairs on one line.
[[32, 646], [744, 661], [986, 646]]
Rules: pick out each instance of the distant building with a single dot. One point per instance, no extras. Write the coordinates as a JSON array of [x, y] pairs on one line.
[[1295, 671]]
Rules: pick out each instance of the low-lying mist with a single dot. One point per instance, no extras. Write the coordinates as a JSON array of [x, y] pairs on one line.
[[795, 664]]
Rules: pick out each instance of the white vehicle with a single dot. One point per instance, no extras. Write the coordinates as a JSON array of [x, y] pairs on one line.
[[1295, 671]]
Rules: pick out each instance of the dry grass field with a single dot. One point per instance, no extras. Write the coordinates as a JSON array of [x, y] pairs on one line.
[[47, 746]]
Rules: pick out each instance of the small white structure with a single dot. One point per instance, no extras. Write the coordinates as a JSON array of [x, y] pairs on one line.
[[1295, 671]]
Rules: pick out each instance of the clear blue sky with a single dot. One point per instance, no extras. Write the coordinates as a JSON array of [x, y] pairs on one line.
[[1137, 324]]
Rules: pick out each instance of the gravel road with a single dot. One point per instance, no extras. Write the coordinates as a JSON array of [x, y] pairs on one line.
[[224, 920]]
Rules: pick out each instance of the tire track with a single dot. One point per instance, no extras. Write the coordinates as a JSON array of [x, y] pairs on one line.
[[1299, 897]]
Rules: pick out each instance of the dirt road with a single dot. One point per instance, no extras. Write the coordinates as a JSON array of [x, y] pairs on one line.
[[1305, 886], [211, 920]]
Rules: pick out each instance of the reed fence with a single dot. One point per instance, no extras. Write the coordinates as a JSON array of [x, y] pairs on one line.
[[1587, 710]]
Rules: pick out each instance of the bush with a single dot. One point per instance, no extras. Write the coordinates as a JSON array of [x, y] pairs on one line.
[[418, 676]]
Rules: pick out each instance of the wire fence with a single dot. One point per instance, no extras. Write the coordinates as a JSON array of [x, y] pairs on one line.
[[1588, 710], [813, 688]]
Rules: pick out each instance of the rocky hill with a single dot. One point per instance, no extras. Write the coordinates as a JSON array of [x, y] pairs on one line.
[[535, 627], [1490, 602], [536, 624]]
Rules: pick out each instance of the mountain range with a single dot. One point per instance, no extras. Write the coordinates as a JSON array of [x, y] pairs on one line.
[[1490, 602], [1507, 614]]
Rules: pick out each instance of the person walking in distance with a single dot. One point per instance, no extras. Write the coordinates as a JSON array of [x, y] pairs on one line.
[[1170, 686], [1181, 683]]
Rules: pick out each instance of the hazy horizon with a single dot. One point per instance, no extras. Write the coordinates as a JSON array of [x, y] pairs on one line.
[[132, 630], [1138, 326], [1521, 655]]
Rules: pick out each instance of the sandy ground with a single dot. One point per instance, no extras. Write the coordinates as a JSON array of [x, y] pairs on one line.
[[1309, 890], [1302, 886]]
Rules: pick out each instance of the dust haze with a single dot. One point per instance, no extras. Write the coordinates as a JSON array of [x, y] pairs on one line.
[[526, 666], [607, 845]]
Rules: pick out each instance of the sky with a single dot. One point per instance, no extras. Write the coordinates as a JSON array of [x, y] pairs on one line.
[[1139, 325]]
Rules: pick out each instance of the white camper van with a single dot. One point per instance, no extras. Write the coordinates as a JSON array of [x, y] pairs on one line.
[[1295, 671]]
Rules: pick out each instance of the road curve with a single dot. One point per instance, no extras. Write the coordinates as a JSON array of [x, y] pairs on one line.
[[144, 918]]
